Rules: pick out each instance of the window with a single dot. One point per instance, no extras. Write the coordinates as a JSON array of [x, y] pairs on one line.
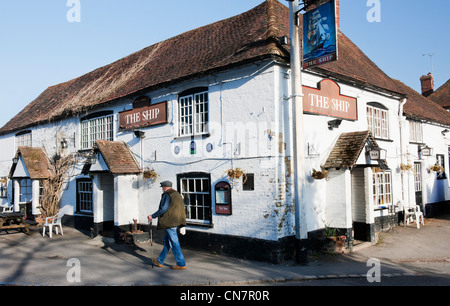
[[196, 191], [26, 191], [440, 162], [378, 120], [96, 127], [193, 112], [415, 131], [417, 177], [84, 196], [23, 139], [3, 187], [249, 182], [382, 191]]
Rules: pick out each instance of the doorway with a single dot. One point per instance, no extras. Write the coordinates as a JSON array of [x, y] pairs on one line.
[[418, 183]]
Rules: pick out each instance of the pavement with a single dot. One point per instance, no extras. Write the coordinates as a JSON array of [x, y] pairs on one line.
[[74, 259]]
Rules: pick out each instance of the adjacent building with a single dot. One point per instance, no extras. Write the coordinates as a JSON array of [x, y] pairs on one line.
[[204, 106]]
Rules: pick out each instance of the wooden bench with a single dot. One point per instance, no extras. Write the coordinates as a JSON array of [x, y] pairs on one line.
[[14, 220]]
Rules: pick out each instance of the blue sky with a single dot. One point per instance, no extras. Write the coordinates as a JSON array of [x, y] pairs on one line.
[[39, 47]]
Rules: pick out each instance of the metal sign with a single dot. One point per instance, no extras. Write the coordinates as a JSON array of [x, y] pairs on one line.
[[144, 116], [320, 35], [327, 100]]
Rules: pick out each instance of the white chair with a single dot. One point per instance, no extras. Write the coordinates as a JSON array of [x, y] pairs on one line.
[[7, 208], [412, 213], [54, 221]]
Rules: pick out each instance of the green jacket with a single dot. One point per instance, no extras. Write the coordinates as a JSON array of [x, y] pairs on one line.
[[175, 215]]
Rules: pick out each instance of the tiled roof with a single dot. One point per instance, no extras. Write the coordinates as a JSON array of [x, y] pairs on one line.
[[442, 95], [421, 108], [242, 39], [36, 162], [348, 148], [118, 157], [354, 66]]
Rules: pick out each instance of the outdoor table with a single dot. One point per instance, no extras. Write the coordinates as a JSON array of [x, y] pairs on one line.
[[14, 220]]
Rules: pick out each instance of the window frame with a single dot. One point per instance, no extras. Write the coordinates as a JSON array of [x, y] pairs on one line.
[[205, 217], [93, 129], [24, 139], [81, 200], [193, 112], [378, 120], [440, 161], [382, 189], [3, 187], [25, 190], [415, 131]]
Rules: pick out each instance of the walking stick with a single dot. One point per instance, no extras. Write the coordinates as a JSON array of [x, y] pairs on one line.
[[151, 241]]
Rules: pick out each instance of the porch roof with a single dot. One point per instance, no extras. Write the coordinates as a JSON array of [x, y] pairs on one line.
[[117, 156], [35, 161], [348, 148]]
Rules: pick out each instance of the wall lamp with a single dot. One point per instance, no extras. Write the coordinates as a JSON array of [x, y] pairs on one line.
[[139, 134], [15, 160], [444, 132], [334, 124], [426, 151], [92, 160], [377, 154], [64, 144]]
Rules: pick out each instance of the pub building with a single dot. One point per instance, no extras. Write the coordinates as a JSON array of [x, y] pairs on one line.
[[210, 110]]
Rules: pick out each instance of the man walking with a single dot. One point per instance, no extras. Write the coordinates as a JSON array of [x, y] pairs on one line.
[[171, 215]]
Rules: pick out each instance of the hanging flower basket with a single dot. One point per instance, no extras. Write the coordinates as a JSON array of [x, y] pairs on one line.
[[150, 174], [405, 167], [236, 174], [437, 168], [319, 175]]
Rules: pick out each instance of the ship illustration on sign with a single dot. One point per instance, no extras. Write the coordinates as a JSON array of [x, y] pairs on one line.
[[319, 41], [318, 31]]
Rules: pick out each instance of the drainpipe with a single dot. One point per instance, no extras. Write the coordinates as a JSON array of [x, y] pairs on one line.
[[298, 131], [401, 122]]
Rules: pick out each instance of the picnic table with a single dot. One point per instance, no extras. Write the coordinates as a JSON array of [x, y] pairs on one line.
[[14, 220]]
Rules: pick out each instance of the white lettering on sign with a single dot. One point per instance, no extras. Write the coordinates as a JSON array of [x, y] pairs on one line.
[[144, 116], [327, 100]]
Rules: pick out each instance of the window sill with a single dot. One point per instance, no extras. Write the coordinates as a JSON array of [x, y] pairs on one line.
[[189, 137], [383, 139], [198, 224]]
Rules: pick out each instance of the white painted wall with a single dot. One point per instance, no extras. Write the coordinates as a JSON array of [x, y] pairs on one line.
[[250, 128]]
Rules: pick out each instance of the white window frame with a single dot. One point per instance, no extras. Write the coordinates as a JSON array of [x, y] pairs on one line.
[[25, 190], [85, 196], [378, 121], [24, 140], [196, 192], [193, 114], [417, 177], [3, 187], [415, 131], [98, 128], [382, 188]]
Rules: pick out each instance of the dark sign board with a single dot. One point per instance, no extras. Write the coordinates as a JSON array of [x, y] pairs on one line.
[[320, 35], [143, 117]]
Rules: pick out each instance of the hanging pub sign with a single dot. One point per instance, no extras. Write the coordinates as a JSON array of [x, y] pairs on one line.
[[320, 35], [143, 116], [327, 100]]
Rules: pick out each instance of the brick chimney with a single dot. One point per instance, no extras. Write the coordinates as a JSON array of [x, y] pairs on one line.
[[427, 83]]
